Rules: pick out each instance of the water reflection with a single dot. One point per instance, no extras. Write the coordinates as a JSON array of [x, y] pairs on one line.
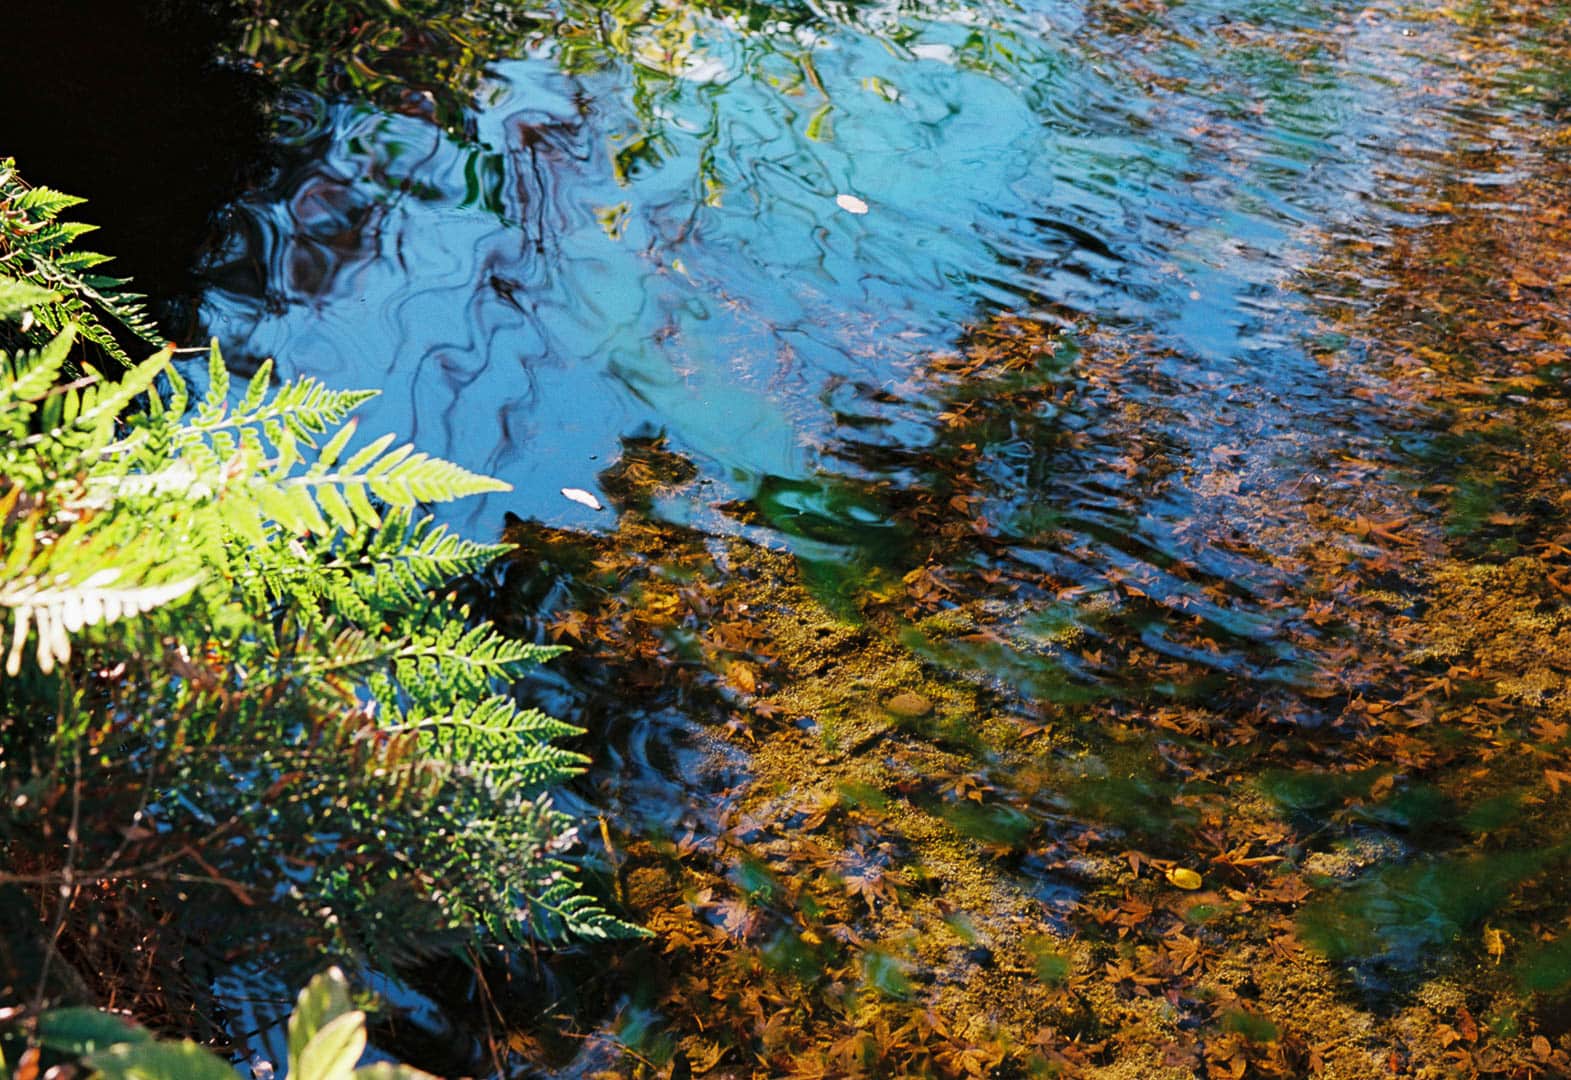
[[642, 228], [1053, 433]]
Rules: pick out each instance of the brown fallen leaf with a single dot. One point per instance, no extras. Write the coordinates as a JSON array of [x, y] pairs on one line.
[[741, 676]]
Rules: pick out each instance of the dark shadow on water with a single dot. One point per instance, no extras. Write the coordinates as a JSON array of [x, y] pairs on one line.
[[125, 105]]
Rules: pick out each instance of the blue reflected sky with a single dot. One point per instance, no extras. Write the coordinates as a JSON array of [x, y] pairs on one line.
[[649, 239]]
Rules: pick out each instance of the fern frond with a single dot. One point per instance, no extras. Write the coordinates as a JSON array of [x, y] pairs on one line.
[[58, 610], [311, 669], [29, 375], [561, 909], [304, 408], [35, 247], [402, 479], [16, 297], [494, 735], [438, 665], [47, 202], [101, 403], [391, 570], [401, 560], [77, 421]]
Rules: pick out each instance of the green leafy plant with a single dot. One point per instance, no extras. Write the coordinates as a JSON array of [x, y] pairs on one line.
[[239, 715], [51, 281], [327, 1039]]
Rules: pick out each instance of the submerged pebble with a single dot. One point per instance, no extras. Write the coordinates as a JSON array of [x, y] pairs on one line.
[[909, 704]]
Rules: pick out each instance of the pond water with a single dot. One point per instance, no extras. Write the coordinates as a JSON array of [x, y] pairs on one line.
[[1067, 350], [639, 230]]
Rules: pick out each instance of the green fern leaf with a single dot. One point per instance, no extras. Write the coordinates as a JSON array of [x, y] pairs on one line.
[[35, 372], [47, 202], [562, 909], [57, 610], [17, 297]]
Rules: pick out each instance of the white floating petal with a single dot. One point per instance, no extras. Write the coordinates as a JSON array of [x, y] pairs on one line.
[[582, 497], [850, 204]]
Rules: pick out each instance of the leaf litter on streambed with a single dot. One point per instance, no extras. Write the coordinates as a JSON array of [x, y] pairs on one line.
[[1347, 870]]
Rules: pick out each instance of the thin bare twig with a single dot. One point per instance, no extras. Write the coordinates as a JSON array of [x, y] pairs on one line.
[[68, 873]]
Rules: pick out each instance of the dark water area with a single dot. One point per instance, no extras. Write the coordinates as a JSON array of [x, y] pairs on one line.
[[128, 106], [1066, 470]]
